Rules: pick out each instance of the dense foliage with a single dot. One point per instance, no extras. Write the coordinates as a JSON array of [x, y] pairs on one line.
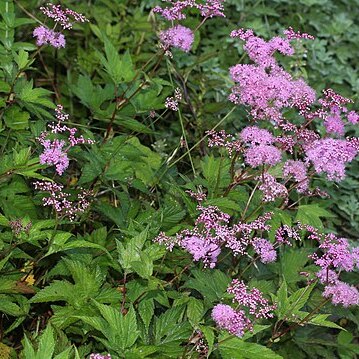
[[178, 179]]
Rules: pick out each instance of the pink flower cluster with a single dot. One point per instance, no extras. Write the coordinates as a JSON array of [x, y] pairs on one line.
[[265, 86], [296, 35], [253, 299], [100, 356], [251, 303], [212, 232], [180, 36], [175, 9], [260, 150], [235, 321], [330, 156], [333, 110], [177, 36], [62, 16], [17, 226], [55, 152], [172, 102], [335, 257], [285, 234], [271, 188], [268, 89], [62, 201], [222, 139], [265, 250], [46, 36], [297, 170]]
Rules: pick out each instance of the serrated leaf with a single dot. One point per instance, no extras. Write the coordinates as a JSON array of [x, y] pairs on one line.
[[146, 310], [16, 119], [64, 355], [212, 284], [46, 344], [124, 327], [120, 68], [311, 214], [29, 352], [209, 336], [56, 291], [195, 310], [239, 349], [321, 320], [143, 267]]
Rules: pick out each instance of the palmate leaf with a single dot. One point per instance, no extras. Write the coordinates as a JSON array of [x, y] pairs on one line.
[[87, 284], [291, 264], [56, 291], [16, 119], [311, 214], [45, 348], [119, 330], [212, 284], [93, 96], [171, 331], [146, 310], [29, 351], [39, 96], [167, 325], [195, 310], [120, 68], [288, 307], [36, 100]]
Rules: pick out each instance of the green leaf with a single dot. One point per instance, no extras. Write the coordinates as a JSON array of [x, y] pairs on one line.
[[239, 349], [195, 310], [56, 291], [292, 263], [28, 352], [311, 214], [21, 59], [65, 354], [216, 172], [299, 298], [131, 252], [170, 328], [224, 204], [209, 335], [146, 310], [120, 68], [10, 308], [122, 329], [212, 284], [16, 119], [321, 320], [46, 344], [132, 124], [281, 300], [4, 86], [144, 267], [37, 96]]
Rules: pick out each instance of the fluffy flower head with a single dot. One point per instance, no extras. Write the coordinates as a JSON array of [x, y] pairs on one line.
[[178, 36]]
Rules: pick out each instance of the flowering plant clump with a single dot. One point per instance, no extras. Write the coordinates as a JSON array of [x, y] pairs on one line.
[[201, 199]]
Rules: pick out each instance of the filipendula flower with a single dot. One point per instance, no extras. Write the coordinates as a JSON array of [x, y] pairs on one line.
[[235, 321], [178, 36]]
